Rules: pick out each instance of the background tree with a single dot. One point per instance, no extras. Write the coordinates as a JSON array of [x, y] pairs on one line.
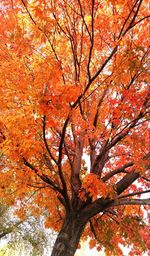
[[74, 117], [26, 236]]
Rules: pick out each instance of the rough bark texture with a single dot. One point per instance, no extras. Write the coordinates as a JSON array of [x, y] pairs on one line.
[[67, 241]]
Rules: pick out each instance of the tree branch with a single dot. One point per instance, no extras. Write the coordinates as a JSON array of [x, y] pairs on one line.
[[126, 181], [146, 17], [124, 132], [113, 51], [93, 230], [130, 202], [98, 107], [92, 41], [60, 162], [44, 177], [134, 194], [126, 20], [116, 171], [45, 141], [134, 17], [76, 165], [10, 229]]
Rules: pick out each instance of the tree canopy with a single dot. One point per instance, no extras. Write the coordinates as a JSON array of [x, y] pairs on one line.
[[74, 117]]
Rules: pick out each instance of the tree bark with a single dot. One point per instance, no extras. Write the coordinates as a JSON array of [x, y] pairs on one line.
[[67, 241]]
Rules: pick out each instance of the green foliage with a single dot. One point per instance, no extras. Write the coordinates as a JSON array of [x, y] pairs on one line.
[[28, 236]]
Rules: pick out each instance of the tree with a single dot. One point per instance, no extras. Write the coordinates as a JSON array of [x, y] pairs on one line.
[[26, 235], [74, 118]]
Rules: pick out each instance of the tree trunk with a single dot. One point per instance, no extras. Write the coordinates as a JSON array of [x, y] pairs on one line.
[[67, 241]]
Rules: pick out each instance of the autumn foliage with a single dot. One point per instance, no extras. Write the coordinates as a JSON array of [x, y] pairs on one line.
[[74, 116]]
